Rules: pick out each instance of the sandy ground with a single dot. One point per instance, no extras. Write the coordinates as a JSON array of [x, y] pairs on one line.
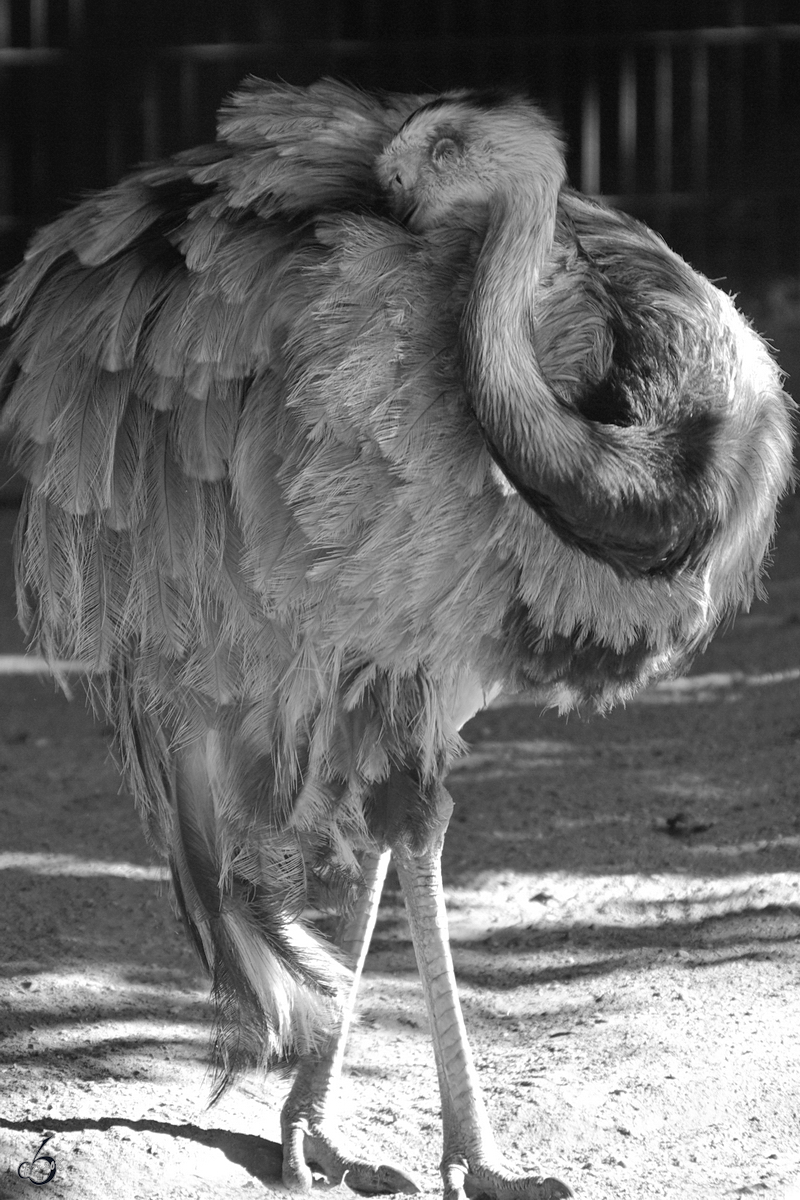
[[624, 896]]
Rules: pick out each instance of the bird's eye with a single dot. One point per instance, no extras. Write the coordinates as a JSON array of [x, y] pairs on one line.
[[445, 150]]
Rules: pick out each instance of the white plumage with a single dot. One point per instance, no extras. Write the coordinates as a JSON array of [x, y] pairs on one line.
[[334, 429]]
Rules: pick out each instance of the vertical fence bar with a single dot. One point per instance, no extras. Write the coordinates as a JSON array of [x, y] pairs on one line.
[[735, 177], [152, 134], [770, 151], [663, 96], [189, 99], [38, 18], [698, 164], [115, 162], [590, 136], [734, 114], [6, 169], [373, 19], [333, 13], [444, 34], [663, 110], [40, 80], [627, 121], [481, 56], [699, 117], [78, 100], [519, 56], [555, 72]]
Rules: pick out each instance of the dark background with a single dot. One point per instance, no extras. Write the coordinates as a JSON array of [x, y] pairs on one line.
[[686, 113]]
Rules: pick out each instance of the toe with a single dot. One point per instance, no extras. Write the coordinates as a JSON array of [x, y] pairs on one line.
[[495, 1185], [382, 1180], [296, 1172]]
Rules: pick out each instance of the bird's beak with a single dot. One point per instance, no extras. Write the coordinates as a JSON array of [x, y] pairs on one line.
[[398, 180], [404, 205]]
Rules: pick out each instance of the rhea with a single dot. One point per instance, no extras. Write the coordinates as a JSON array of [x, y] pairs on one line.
[[333, 430]]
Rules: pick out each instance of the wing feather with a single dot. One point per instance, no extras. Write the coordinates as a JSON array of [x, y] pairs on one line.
[[203, 429], [126, 508], [41, 393], [172, 508], [114, 220], [276, 553], [306, 149], [79, 470], [45, 579], [47, 250]]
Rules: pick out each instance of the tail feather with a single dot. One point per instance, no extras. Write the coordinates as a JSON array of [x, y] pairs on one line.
[[239, 883], [275, 986]]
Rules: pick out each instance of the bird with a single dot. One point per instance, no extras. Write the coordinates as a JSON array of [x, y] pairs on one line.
[[334, 429]]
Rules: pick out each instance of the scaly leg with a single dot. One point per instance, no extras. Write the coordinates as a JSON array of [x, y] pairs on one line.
[[308, 1121], [470, 1155]]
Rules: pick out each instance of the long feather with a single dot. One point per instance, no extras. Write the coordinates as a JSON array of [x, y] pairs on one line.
[[114, 220], [79, 475], [172, 507], [204, 430]]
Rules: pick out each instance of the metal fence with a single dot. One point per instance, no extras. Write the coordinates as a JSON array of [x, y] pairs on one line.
[[695, 129]]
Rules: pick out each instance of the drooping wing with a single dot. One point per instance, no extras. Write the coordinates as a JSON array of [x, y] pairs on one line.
[[227, 366], [143, 320], [174, 340]]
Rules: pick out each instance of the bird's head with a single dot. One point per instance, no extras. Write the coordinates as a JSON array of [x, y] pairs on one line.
[[465, 148]]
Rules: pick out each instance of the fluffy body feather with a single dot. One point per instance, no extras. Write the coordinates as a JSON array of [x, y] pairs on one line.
[[332, 430]]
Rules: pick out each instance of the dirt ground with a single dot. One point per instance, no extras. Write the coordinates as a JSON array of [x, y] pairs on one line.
[[624, 896]]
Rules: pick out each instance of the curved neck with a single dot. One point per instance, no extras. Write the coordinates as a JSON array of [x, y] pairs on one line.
[[509, 394], [618, 493]]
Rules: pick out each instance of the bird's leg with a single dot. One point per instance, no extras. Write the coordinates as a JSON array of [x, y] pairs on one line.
[[471, 1161], [309, 1121]]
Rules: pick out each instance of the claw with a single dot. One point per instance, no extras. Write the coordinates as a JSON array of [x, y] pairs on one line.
[[309, 1152], [383, 1180]]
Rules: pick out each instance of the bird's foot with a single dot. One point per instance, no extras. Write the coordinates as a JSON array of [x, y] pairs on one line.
[[481, 1179], [311, 1149]]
